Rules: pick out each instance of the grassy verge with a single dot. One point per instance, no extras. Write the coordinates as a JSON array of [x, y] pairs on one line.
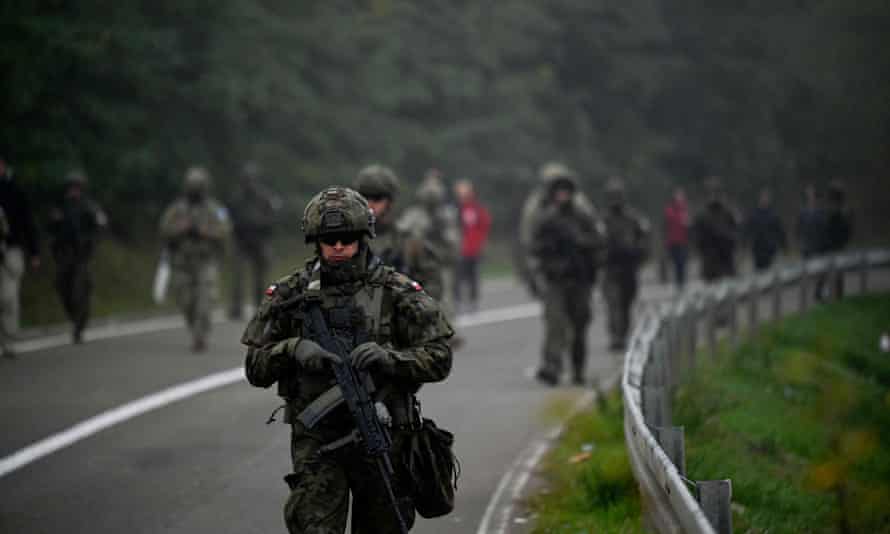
[[589, 486], [123, 275], [799, 418]]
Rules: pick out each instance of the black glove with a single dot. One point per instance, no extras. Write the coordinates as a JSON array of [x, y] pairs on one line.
[[371, 355], [310, 356]]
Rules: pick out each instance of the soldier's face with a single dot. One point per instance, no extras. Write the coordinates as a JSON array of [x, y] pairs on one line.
[[562, 196], [338, 248], [379, 205]]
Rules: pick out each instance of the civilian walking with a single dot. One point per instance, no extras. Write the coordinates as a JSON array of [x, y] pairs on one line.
[[475, 223], [676, 235]]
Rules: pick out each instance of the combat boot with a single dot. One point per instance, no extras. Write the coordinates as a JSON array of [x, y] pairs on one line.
[[548, 378]]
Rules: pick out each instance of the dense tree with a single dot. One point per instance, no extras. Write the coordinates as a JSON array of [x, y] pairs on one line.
[[660, 91]]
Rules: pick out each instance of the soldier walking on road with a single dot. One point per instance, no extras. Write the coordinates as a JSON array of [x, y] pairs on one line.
[[715, 231], [627, 245], [74, 228], [19, 247], [564, 245], [391, 329], [401, 246], [195, 229], [765, 232], [254, 209]]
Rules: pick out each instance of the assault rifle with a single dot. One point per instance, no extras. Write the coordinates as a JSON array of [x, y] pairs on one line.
[[354, 385]]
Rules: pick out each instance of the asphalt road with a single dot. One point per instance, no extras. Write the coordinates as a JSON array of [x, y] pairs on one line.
[[209, 463]]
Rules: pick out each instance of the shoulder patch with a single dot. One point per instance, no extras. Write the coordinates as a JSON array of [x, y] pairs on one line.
[[398, 280], [271, 290]]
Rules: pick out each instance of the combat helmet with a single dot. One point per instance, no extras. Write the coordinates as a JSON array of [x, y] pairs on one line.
[[76, 177], [555, 174], [377, 181], [431, 191], [197, 180], [337, 210], [615, 191]]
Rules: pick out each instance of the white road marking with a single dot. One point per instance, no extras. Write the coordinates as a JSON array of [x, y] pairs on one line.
[[521, 470], [117, 415], [185, 390]]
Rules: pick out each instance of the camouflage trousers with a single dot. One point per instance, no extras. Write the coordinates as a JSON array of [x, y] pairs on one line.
[[567, 317], [320, 487], [620, 290], [195, 285]]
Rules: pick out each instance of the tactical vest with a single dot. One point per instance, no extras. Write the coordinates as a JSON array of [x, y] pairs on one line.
[[353, 319]]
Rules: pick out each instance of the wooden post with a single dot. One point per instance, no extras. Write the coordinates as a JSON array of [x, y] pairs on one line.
[[672, 440], [715, 498]]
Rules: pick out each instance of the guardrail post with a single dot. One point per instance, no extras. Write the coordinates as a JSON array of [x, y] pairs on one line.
[[836, 279], [753, 308], [802, 306], [777, 296], [711, 326], [863, 272], [692, 332], [715, 497], [673, 440], [733, 302]]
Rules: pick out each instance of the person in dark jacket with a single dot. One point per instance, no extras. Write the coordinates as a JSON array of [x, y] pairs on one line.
[[715, 231], [764, 231], [810, 224], [19, 245], [75, 225], [837, 232]]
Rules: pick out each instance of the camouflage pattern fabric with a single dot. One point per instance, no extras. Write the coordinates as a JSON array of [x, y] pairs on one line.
[[715, 232], [627, 245], [408, 324], [196, 235], [563, 258]]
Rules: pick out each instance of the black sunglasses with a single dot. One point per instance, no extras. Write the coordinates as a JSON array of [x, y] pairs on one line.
[[376, 198], [346, 238]]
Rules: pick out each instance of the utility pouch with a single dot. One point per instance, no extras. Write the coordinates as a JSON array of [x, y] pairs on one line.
[[434, 469]]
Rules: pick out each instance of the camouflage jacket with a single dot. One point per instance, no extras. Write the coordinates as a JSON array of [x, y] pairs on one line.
[[566, 246], [75, 226], [385, 307], [627, 239], [437, 226], [411, 254], [195, 232]]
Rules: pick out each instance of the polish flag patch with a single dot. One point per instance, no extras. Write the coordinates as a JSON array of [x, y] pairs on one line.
[[416, 286], [271, 290]]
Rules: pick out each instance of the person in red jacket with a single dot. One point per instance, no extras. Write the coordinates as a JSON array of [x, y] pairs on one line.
[[676, 230], [475, 223]]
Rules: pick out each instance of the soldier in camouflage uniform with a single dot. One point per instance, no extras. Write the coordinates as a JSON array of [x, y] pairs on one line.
[[627, 245], [195, 229], [399, 335], [254, 208], [564, 245], [400, 246], [74, 227]]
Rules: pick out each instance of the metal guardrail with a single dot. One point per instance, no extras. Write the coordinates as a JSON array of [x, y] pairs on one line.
[[665, 344]]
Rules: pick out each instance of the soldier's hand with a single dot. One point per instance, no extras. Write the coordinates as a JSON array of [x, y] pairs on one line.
[[310, 356], [370, 355]]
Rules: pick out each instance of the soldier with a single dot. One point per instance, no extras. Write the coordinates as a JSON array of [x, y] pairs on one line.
[[195, 229], [564, 243], [254, 209], [715, 232], [394, 330], [765, 233], [74, 229], [400, 246], [627, 245], [19, 247]]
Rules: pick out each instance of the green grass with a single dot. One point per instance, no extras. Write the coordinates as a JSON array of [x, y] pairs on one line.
[[598, 494], [123, 275], [799, 418]]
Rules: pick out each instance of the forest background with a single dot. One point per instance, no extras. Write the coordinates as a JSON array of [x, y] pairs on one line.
[[661, 92]]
